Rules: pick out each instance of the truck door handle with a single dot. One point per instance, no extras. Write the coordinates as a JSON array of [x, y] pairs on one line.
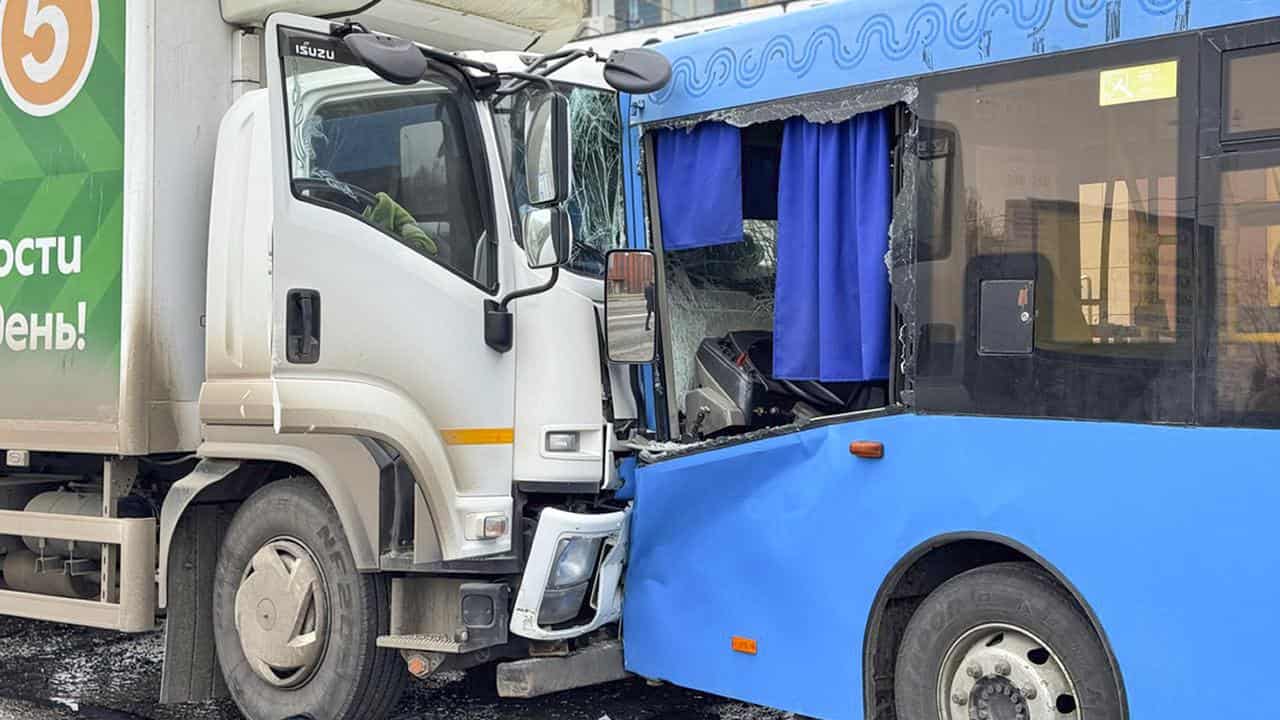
[[302, 327]]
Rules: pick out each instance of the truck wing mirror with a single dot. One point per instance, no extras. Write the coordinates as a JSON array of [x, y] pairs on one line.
[[548, 235], [547, 158], [391, 58], [638, 71], [631, 306]]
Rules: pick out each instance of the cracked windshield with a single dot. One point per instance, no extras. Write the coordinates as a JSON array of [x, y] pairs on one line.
[[595, 201]]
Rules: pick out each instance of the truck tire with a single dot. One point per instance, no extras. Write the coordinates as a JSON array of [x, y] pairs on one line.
[[296, 625], [1009, 640]]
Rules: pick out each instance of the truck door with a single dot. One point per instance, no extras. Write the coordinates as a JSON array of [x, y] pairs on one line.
[[385, 249]]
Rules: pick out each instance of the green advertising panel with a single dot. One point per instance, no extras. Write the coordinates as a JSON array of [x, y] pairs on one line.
[[62, 121]]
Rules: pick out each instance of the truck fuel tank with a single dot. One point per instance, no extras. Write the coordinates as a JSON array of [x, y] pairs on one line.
[[65, 502], [22, 572]]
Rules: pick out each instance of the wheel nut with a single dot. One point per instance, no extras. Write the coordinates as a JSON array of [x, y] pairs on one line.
[[1029, 692], [1002, 668], [974, 670], [959, 699]]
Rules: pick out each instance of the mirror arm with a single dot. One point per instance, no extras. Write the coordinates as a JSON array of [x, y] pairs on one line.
[[523, 79], [526, 292], [498, 325], [536, 73], [564, 56]]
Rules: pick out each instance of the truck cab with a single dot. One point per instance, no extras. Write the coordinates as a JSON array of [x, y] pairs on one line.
[[405, 278], [350, 402]]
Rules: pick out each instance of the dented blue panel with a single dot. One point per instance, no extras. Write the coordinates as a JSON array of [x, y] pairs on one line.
[[857, 42], [1166, 532]]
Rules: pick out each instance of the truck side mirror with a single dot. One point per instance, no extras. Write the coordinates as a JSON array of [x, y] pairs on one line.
[[548, 235], [547, 148], [631, 306], [638, 71], [391, 58]]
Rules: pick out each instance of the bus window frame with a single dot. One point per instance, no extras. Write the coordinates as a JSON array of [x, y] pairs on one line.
[[1215, 45]]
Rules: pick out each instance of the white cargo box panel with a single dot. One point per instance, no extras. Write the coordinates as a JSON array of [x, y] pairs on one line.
[[108, 121], [445, 24]]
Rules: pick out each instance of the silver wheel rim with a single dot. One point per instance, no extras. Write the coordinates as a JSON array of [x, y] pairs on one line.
[[1000, 671], [282, 613]]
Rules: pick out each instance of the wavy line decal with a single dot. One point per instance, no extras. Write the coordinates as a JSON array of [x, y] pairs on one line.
[[1160, 7], [930, 23], [1080, 12]]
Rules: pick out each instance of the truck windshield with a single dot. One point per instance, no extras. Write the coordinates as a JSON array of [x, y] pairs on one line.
[[595, 200], [396, 157]]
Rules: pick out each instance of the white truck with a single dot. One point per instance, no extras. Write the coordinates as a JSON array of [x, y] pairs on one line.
[[300, 351]]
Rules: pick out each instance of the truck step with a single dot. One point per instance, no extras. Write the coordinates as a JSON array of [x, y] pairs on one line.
[[534, 677], [424, 643]]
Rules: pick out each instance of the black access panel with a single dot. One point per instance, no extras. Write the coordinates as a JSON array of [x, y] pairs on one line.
[[1006, 317]]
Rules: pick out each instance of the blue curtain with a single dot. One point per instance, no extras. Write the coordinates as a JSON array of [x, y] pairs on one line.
[[831, 313], [700, 185]]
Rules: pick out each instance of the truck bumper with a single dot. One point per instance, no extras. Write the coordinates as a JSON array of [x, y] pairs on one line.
[[605, 592]]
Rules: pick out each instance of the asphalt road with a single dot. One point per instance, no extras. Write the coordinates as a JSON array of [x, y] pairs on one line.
[[628, 337], [52, 672]]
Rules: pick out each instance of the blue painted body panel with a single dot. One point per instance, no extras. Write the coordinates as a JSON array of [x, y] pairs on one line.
[[864, 41], [1165, 531]]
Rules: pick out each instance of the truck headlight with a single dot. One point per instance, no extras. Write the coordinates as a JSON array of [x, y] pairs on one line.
[[570, 579], [575, 561]]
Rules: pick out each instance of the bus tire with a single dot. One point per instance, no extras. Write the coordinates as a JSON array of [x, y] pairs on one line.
[[1004, 638], [296, 625]]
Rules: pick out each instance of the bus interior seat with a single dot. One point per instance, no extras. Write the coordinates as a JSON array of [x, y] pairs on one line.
[[735, 389]]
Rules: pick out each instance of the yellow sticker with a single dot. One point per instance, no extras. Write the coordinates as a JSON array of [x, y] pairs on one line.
[[1139, 83]]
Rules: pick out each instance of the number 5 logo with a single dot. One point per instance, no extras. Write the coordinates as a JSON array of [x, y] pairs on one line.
[[46, 51]]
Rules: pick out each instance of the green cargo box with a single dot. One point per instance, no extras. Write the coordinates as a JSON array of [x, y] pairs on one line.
[[108, 121]]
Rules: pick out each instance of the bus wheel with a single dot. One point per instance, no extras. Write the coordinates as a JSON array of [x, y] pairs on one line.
[[295, 625], [1004, 642]]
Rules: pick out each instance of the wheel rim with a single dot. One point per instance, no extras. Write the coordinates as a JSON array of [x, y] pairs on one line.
[[1003, 672], [282, 613]]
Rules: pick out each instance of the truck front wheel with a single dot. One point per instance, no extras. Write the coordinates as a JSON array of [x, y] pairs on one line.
[[296, 625], [1004, 641]]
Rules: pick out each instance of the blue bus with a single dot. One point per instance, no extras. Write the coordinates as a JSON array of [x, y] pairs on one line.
[[962, 364]]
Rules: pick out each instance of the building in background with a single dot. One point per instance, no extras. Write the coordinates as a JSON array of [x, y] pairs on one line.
[[609, 16]]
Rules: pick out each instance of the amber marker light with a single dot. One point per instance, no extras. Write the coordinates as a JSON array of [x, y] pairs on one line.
[[746, 646], [867, 449]]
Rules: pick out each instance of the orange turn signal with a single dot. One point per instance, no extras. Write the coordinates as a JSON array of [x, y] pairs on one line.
[[867, 449], [747, 646]]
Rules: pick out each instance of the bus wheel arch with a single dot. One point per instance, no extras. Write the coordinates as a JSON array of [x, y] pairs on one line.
[[919, 573]]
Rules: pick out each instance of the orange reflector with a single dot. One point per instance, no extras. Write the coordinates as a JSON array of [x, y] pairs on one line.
[[867, 449], [418, 666], [744, 645]]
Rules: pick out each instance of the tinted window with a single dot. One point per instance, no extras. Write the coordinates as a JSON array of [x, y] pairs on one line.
[[1066, 176], [397, 158], [1243, 363], [1250, 102]]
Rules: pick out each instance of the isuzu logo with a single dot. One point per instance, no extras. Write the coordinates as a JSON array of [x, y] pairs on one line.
[[306, 49]]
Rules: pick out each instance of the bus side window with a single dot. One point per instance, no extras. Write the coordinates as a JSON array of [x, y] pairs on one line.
[[1250, 105], [1032, 174]]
